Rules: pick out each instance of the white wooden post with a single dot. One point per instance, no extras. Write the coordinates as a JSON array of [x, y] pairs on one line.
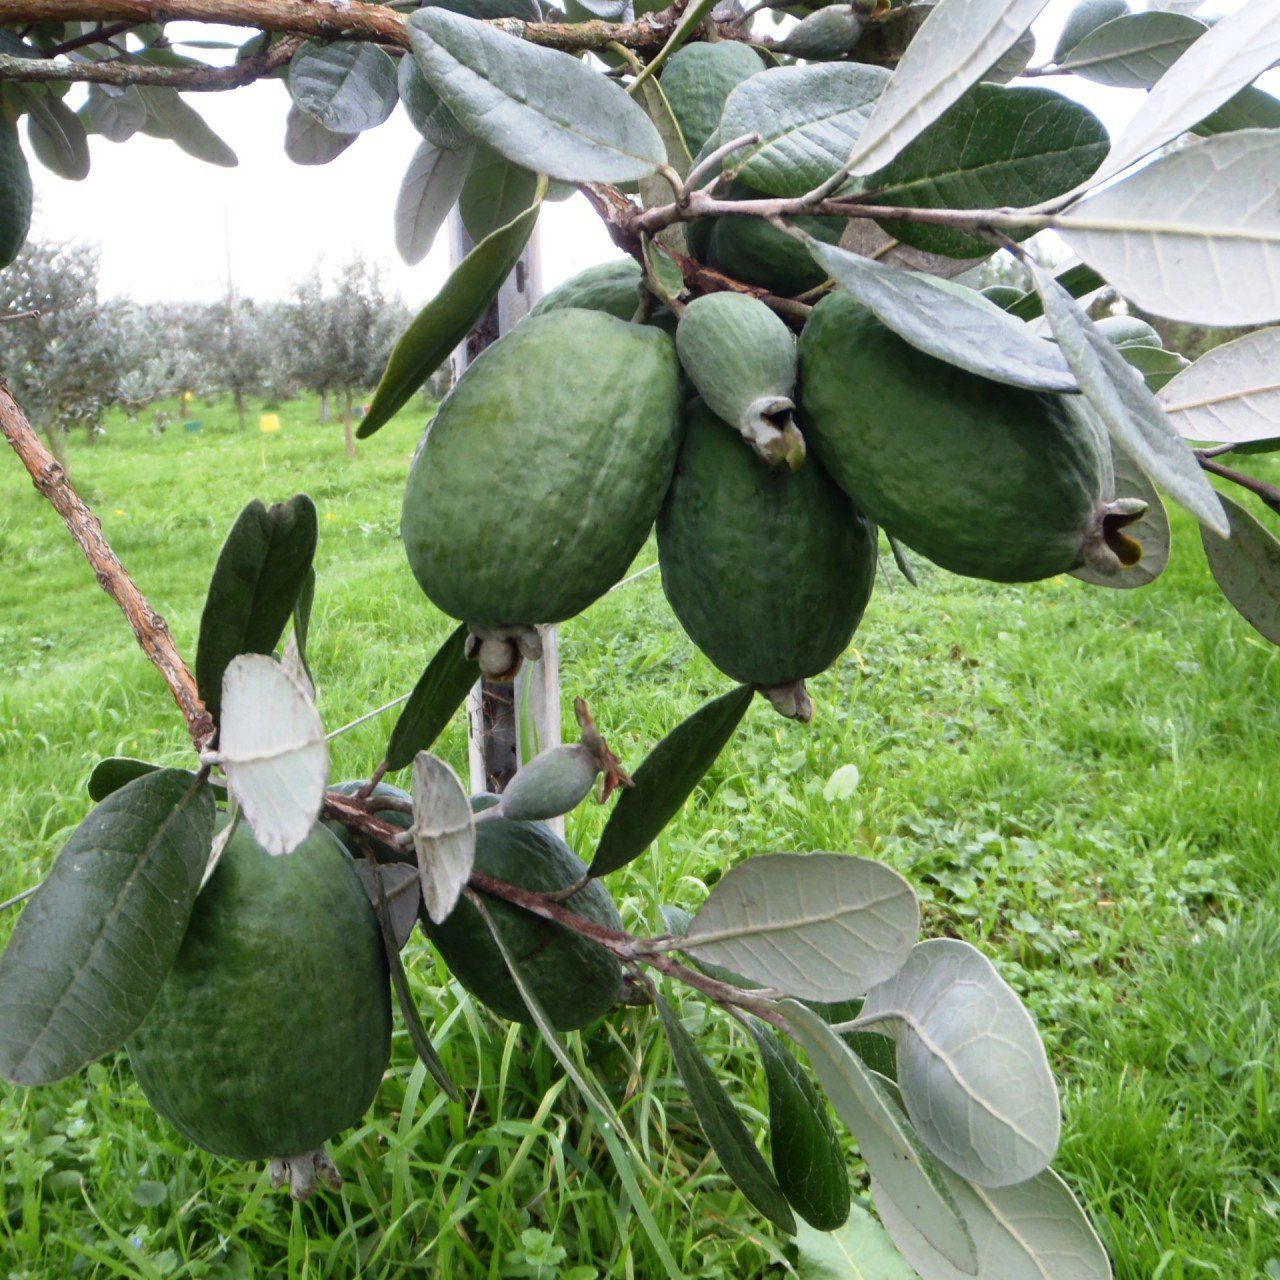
[[508, 721]]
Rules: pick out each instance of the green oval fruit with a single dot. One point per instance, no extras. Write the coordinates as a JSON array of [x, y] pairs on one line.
[[985, 480], [750, 250], [540, 477], [826, 35], [273, 1029], [769, 571], [15, 194], [612, 287], [698, 78], [575, 980], [1086, 17], [742, 359], [1003, 295]]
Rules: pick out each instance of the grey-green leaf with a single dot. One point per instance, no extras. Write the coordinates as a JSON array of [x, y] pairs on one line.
[[347, 86], [443, 323], [1135, 419], [806, 1155], [115, 118], [307, 141], [435, 698], [808, 119], [169, 116], [426, 112], [431, 186], [1134, 50], [890, 1147], [58, 138], [1247, 568], [99, 936], [665, 779], [721, 1123], [260, 573], [860, 1250], [539, 107], [948, 321], [1231, 394], [818, 926], [971, 1066], [495, 191]]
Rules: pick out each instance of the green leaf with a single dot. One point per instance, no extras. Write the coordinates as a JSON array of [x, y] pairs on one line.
[[308, 142], [539, 107], [495, 192], [808, 119], [443, 323], [1231, 394], [1134, 418], [96, 941], [859, 1250], [1077, 280], [168, 116], [665, 779], [426, 112], [819, 926], [1251, 108], [525, 10], [1247, 568], [807, 1158], [721, 1123], [1134, 50], [302, 616], [58, 138], [256, 583], [115, 772], [116, 118], [1158, 366], [347, 86], [947, 321], [890, 1148], [971, 1066], [432, 183], [690, 20], [439, 693], [995, 148]]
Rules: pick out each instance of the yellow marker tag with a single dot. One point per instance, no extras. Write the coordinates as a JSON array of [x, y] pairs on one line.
[[269, 422]]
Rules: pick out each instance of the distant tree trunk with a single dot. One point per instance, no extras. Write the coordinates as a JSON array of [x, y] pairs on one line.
[[347, 412], [57, 445], [238, 396], [324, 408]]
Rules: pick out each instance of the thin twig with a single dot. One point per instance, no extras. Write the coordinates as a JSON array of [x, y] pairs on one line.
[[18, 897], [148, 626], [19, 315], [99, 35], [1267, 492]]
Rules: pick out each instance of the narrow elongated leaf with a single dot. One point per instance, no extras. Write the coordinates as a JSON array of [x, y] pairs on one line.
[[1034, 1231], [1150, 531], [665, 779], [114, 772], [539, 107], [97, 939], [721, 1123], [860, 1250], [1249, 109], [396, 886], [444, 834], [307, 141], [958, 43], [1134, 50], [1247, 568], [302, 620], [495, 192], [806, 1154], [995, 148], [347, 86], [1137, 423], [431, 186], [971, 1067], [1077, 280], [693, 16], [1195, 235], [808, 118], [443, 323], [435, 698], [256, 583], [1231, 394], [272, 748], [1231, 54], [820, 926], [58, 138], [169, 116], [889, 1146], [948, 321]]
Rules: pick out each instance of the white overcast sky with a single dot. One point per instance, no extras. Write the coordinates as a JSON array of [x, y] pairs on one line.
[[165, 221]]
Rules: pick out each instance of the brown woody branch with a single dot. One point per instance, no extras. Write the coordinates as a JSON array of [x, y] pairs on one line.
[[119, 72], [1267, 492], [148, 626]]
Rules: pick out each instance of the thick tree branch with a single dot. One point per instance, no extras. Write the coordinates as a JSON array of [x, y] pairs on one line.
[[120, 72], [148, 626]]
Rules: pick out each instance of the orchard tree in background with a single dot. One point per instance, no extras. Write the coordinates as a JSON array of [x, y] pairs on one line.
[[800, 209]]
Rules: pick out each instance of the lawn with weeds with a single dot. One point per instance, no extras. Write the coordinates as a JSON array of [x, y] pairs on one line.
[[1082, 782]]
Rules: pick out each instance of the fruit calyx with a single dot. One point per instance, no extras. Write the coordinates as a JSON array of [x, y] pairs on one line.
[[791, 700], [500, 650], [1108, 549], [302, 1171], [613, 775], [768, 427]]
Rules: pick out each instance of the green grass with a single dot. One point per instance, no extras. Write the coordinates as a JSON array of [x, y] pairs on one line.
[[1082, 782]]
